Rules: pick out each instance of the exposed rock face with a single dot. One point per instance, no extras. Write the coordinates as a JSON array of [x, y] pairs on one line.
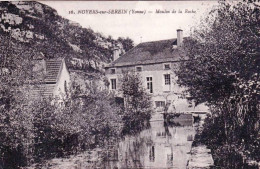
[[39, 27]]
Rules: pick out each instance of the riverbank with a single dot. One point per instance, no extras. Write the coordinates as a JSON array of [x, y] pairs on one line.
[[201, 156], [87, 159], [223, 155]]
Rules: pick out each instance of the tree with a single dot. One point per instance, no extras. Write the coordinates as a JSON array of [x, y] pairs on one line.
[[222, 68], [137, 103], [92, 112], [126, 42], [222, 49]]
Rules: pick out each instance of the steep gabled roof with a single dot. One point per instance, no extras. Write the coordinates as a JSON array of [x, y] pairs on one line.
[[45, 90], [150, 52], [50, 70], [53, 68]]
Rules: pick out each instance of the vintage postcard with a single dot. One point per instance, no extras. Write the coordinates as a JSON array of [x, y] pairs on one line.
[[129, 84]]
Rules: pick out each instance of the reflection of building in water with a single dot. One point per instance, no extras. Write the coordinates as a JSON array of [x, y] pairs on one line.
[[157, 147], [170, 146], [151, 154], [131, 151]]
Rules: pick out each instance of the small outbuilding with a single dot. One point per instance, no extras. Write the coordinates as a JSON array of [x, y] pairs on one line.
[[52, 78]]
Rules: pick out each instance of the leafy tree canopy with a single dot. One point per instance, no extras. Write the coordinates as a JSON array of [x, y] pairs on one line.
[[126, 42], [222, 51], [222, 67]]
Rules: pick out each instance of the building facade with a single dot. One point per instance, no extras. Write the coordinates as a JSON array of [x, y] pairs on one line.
[[156, 63]]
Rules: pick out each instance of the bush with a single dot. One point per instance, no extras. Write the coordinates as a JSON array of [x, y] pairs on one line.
[[44, 128]]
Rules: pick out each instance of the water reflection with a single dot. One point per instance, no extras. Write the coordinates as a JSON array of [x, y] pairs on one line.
[[160, 146]]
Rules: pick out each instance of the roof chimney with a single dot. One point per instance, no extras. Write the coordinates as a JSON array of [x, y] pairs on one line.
[[179, 37], [116, 52]]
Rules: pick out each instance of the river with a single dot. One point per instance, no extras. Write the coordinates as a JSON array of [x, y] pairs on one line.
[[160, 146]]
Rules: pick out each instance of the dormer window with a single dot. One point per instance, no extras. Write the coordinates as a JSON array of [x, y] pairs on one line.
[[167, 66], [138, 68], [113, 71]]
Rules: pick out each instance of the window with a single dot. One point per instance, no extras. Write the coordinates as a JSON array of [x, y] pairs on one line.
[[66, 87], [169, 158], [113, 83], [167, 66], [113, 71], [167, 79], [160, 103], [138, 68], [149, 84]]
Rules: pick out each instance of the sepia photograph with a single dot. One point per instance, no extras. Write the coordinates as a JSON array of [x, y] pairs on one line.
[[130, 84]]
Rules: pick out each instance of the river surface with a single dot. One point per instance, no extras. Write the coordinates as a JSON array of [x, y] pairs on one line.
[[160, 146]]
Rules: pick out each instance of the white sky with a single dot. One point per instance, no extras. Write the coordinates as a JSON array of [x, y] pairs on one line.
[[150, 26]]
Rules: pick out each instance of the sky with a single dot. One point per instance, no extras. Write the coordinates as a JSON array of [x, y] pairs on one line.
[[138, 20]]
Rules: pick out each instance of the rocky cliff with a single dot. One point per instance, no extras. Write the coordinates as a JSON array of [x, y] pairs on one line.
[[35, 29]]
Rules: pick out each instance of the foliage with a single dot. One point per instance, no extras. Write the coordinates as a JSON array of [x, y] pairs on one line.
[[225, 156], [222, 49], [126, 42], [222, 69], [95, 113], [33, 130], [15, 123], [137, 103]]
